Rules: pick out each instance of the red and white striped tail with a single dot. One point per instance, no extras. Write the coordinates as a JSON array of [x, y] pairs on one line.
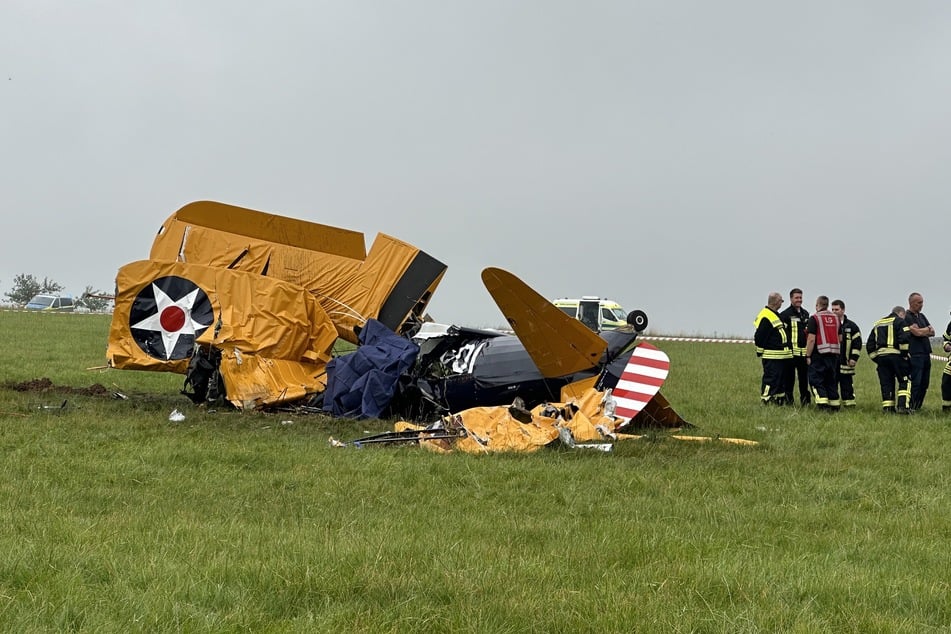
[[645, 372]]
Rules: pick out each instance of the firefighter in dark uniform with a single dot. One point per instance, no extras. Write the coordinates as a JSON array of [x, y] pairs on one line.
[[887, 346], [850, 340], [822, 355], [798, 370], [946, 376], [772, 347]]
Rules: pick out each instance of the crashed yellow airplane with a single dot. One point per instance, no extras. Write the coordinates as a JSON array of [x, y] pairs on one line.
[[248, 306]]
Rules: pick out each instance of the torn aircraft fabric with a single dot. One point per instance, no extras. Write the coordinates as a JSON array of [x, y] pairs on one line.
[[362, 383], [275, 339]]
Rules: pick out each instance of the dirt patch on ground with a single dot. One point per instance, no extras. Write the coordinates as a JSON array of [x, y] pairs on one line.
[[46, 385]]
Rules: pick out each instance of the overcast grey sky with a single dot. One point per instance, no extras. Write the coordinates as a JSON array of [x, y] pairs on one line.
[[684, 158]]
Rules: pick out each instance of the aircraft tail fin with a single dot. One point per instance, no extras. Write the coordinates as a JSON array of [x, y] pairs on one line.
[[558, 344], [637, 393]]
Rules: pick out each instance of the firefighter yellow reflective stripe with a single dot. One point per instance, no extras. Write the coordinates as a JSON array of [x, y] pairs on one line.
[[783, 352], [798, 347], [776, 322], [881, 352], [890, 341], [886, 324]]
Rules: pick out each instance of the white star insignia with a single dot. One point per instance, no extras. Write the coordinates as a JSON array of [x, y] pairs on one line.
[[175, 323]]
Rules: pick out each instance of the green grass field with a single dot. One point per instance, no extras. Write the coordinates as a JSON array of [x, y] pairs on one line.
[[116, 519]]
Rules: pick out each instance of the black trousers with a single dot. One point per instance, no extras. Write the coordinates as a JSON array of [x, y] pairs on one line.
[[893, 369], [920, 379], [946, 385], [847, 384], [772, 388], [824, 379], [797, 369]]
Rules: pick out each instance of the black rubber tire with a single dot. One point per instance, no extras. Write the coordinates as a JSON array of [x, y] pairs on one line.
[[637, 319]]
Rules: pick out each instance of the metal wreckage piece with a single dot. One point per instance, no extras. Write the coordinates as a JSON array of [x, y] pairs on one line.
[[248, 306]]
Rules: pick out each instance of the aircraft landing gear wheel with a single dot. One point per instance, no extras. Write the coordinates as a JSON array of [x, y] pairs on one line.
[[637, 319]]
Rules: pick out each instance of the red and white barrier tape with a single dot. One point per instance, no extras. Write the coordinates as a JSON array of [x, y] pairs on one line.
[[935, 357], [696, 339]]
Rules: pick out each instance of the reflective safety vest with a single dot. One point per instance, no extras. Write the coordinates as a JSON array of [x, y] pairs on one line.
[[827, 337]]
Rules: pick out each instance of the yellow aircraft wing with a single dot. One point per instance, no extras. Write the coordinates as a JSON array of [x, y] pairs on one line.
[[392, 283], [558, 344]]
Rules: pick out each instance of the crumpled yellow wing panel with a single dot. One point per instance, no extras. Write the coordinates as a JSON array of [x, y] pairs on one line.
[[163, 309], [492, 429], [253, 381], [254, 225], [387, 284]]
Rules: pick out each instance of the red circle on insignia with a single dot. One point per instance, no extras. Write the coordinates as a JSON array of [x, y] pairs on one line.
[[172, 319]]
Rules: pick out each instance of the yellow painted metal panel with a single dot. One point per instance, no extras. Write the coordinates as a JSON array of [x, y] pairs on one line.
[[330, 262], [558, 344], [268, 227], [254, 381], [252, 314]]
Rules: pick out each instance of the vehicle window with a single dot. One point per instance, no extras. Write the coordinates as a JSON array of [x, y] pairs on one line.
[[568, 310], [608, 315], [66, 302], [589, 314], [42, 300], [56, 303], [619, 314]]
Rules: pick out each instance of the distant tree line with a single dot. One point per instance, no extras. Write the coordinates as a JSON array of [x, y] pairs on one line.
[[25, 287]]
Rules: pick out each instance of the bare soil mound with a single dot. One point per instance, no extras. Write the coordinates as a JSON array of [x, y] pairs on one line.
[[46, 385]]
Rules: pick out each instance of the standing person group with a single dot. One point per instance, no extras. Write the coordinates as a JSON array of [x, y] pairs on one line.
[[910, 366], [821, 351]]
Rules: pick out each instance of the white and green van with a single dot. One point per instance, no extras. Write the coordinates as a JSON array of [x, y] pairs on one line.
[[598, 313]]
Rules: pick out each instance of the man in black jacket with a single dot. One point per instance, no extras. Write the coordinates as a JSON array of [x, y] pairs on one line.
[[850, 339], [796, 317], [887, 346], [772, 346]]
